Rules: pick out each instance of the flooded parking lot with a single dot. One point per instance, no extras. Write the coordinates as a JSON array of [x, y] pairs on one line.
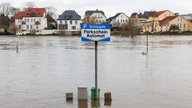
[[45, 68]]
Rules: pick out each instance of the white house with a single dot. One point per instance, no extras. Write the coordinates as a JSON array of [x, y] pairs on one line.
[[69, 21], [31, 20], [99, 16], [118, 20]]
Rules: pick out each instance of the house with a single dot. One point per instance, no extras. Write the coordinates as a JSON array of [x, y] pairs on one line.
[[31, 20], [119, 20], [94, 16], [141, 19], [161, 21], [153, 21], [69, 21], [181, 22], [157, 21], [188, 17]]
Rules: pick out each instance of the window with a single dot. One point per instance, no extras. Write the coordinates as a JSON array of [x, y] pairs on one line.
[[31, 20], [31, 26], [76, 22], [73, 27], [65, 22], [184, 26], [37, 27], [27, 20], [71, 22], [180, 25], [27, 26], [60, 22], [167, 25]]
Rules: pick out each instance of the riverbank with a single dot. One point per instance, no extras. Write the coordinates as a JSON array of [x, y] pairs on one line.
[[114, 33], [127, 33]]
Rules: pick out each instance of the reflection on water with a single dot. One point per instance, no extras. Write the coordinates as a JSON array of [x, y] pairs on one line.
[[82, 104], [95, 103], [49, 66], [108, 104]]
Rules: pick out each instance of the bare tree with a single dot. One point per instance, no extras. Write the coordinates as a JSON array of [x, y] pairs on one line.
[[13, 28], [4, 21], [51, 11], [132, 26], [28, 5], [90, 20], [14, 11], [5, 8]]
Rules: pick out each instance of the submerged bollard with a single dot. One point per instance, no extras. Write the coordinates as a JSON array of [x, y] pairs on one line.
[[69, 96], [82, 92], [107, 96], [93, 94]]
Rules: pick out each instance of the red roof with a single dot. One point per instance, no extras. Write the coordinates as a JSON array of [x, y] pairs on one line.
[[159, 13], [168, 19], [31, 12]]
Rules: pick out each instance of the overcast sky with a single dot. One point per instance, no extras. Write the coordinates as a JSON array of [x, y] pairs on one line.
[[110, 7]]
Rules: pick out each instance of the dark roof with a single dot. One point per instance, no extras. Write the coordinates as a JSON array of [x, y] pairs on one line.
[[23, 23], [90, 12], [110, 19], [69, 15], [37, 23], [159, 13], [147, 14]]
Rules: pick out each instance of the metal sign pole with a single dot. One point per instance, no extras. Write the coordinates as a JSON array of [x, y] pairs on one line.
[[96, 92], [147, 43]]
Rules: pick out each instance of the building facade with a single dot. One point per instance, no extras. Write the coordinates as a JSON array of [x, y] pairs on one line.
[[69, 21], [95, 16], [119, 20], [31, 20], [161, 21], [181, 22]]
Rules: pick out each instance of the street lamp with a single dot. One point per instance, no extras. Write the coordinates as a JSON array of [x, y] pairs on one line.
[[147, 38]]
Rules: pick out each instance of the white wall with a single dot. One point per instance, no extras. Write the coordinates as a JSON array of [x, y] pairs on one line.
[[71, 24], [99, 17], [120, 20], [30, 23]]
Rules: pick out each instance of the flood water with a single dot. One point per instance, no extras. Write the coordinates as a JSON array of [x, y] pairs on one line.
[[45, 68]]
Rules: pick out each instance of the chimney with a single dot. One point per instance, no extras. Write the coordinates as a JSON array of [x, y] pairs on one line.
[[176, 13]]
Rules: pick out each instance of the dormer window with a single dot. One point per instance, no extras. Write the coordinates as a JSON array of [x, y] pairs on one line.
[[33, 14]]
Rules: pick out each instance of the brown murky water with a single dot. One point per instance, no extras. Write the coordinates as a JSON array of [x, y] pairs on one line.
[[45, 68]]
